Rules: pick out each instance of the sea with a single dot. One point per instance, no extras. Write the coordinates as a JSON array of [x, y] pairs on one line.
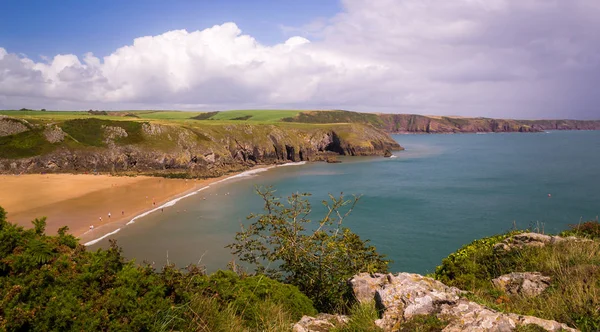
[[424, 203]]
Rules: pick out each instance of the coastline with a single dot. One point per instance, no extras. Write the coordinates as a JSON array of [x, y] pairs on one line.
[[80, 201], [89, 238]]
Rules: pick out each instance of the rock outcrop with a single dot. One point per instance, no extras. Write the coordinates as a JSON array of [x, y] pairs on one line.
[[522, 283], [531, 240], [405, 295], [414, 123], [54, 134], [321, 323], [11, 126]]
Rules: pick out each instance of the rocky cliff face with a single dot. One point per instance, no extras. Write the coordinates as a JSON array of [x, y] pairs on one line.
[[202, 150], [413, 123], [406, 123]]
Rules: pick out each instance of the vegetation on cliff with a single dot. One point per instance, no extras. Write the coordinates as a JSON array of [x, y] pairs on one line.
[[573, 266], [151, 143], [282, 244]]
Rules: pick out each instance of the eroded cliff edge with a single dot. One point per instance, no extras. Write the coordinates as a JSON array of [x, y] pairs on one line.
[[98, 145], [414, 123]]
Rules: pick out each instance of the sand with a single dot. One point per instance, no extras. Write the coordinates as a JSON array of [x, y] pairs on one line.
[[79, 201]]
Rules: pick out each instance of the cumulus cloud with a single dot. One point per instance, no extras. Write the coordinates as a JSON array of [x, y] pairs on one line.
[[526, 58]]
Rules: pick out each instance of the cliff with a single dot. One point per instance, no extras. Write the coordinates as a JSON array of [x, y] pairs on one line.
[[413, 123], [171, 147]]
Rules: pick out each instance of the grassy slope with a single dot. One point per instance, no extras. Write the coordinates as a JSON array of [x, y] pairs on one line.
[[574, 266], [85, 130]]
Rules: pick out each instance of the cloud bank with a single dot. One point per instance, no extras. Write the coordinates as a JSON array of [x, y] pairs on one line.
[[501, 58]]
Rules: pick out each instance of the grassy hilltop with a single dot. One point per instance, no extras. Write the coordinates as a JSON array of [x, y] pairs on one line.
[[171, 142]]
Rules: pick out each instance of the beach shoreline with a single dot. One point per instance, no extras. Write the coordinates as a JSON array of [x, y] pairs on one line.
[[82, 201]]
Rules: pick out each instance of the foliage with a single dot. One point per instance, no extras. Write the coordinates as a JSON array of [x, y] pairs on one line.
[[91, 131], [573, 297], [362, 319], [473, 265], [319, 259], [25, 144], [53, 283], [588, 229]]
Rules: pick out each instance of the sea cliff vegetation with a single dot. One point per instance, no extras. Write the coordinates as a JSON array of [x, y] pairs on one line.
[[297, 269], [208, 144]]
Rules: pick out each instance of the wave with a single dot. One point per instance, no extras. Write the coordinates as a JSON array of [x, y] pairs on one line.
[[102, 237], [393, 156], [249, 173]]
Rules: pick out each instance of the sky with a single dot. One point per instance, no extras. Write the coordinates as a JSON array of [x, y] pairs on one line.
[[525, 59]]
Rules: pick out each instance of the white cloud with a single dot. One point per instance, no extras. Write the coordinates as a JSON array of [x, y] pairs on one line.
[[526, 58]]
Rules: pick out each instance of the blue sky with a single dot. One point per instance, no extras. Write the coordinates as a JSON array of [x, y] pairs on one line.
[[494, 58], [42, 27]]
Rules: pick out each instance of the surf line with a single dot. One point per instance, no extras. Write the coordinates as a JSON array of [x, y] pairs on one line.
[[249, 173]]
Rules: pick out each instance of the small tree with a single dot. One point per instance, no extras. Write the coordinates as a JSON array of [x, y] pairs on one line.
[[318, 259]]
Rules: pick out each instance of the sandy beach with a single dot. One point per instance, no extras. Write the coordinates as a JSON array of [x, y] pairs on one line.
[[81, 201]]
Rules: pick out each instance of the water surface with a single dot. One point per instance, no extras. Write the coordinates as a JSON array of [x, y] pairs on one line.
[[441, 193]]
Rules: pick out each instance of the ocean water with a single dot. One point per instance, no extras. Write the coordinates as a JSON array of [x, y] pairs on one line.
[[444, 191]]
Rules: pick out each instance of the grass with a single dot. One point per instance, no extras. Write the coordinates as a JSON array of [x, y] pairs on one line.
[[26, 144], [362, 318], [90, 131], [573, 297], [255, 115]]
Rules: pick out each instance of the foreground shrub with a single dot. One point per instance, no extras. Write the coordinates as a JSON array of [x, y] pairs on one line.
[[53, 283], [319, 258], [588, 229]]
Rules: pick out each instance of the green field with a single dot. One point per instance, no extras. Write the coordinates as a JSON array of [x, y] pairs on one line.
[[255, 115]]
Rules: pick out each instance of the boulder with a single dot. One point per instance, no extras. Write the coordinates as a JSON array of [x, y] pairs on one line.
[[405, 295], [321, 323], [365, 285], [531, 240], [522, 283]]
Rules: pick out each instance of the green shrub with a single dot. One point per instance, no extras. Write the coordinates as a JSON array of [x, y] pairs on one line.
[[473, 265], [588, 229], [317, 259], [247, 294], [362, 319], [53, 283]]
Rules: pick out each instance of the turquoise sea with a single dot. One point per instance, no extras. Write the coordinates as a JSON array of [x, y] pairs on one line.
[[444, 191]]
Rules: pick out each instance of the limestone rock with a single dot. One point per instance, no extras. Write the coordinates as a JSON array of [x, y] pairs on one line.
[[365, 285], [11, 126], [405, 295], [321, 323], [531, 240], [54, 134], [522, 283]]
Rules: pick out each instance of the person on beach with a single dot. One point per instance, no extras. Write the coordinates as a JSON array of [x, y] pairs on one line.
[[123, 213], [91, 227], [109, 215], [100, 219]]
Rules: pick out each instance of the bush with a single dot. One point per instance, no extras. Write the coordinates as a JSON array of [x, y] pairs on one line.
[[473, 265], [318, 260], [588, 229], [53, 283]]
